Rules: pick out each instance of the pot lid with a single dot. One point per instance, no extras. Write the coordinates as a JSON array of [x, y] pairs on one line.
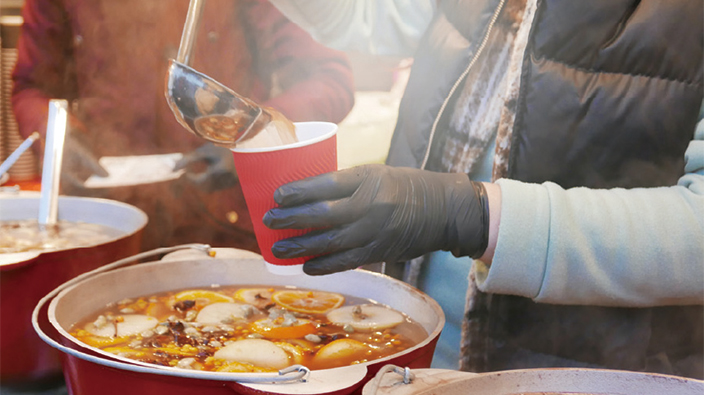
[[390, 381]]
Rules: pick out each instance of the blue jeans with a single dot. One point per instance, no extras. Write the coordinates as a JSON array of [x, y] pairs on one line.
[[445, 278]]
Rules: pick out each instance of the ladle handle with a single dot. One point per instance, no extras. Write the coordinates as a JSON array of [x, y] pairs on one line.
[[53, 157], [190, 30]]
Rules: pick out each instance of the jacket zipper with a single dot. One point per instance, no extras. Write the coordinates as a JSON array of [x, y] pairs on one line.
[[457, 82]]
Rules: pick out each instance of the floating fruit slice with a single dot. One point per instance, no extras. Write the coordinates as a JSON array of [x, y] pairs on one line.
[[258, 297], [311, 302], [124, 325], [258, 352], [295, 352], [100, 341], [202, 296], [222, 313], [342, 352], [272, 329], [366, 317]]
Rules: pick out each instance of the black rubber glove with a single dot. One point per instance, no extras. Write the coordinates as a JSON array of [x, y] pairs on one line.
[[78, 163], [219, 172], [377, 213]]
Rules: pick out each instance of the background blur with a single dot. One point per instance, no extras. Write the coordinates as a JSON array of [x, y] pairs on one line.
[[364, 136]]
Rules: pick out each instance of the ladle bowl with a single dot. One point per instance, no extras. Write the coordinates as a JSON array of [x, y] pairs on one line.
[[202, 105], [208, 108]]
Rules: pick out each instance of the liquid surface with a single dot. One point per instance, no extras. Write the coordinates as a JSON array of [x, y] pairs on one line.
[[250, 329], [27, 235]]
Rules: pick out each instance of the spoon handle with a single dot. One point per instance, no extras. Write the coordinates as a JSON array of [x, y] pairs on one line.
[[190, 30], [5, 166], [53, 156]]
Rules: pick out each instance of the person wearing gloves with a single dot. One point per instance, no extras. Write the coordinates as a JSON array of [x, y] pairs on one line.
[[553, 147], [110, 59]]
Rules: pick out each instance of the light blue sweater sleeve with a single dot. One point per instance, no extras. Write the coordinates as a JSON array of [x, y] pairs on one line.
[[617, 247], [379, 27]]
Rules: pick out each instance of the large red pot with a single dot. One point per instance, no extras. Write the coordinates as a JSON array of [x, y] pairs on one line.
[[393, 381], [90, 371], [26, 277]]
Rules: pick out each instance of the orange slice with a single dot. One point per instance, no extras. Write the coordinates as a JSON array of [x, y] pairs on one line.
[[205, 297], [100, 341], [259, 297], [273, 330], [311, 302]]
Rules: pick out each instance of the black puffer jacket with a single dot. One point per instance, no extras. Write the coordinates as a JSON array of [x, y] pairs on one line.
[[610, 94]]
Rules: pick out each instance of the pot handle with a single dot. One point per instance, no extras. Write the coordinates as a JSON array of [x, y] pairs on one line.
[[105, 268], [325, 381], [414, 381], [126, 261]]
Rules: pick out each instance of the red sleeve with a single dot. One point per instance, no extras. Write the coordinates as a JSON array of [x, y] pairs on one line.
[[43, 59], [316, 82]]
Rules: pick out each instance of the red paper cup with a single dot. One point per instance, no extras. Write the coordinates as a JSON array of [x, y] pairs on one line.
[[262, 170]]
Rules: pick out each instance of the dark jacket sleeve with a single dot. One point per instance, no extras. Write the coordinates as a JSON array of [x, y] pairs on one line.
[[314, 82]]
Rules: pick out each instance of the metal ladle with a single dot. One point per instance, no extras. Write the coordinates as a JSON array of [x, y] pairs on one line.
[[53, 158], [202, 105]]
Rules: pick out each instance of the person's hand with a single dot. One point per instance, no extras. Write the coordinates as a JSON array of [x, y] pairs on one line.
[[78, 163], [219, 172], [377, 213]]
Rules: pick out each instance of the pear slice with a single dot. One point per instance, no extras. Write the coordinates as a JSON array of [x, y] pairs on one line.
[[124, 325], [366, 317], [257, 352], [223, 313]]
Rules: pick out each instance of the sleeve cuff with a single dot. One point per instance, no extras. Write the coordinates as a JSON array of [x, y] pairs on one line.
[[518, 267]]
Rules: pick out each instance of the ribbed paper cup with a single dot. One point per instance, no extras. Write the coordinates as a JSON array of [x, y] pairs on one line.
[[262, 170]]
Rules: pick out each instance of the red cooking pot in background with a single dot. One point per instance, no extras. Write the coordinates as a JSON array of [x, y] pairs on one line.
[[26, 277], [90, 371]]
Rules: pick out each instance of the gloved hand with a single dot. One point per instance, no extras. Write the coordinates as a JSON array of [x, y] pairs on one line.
[[377, 213], [78, 163], [219, 172]]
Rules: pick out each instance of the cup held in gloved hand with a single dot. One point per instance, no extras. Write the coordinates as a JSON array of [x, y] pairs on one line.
[[262, 170]]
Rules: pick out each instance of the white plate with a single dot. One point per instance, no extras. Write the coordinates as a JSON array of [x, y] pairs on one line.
[[135, 170]]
